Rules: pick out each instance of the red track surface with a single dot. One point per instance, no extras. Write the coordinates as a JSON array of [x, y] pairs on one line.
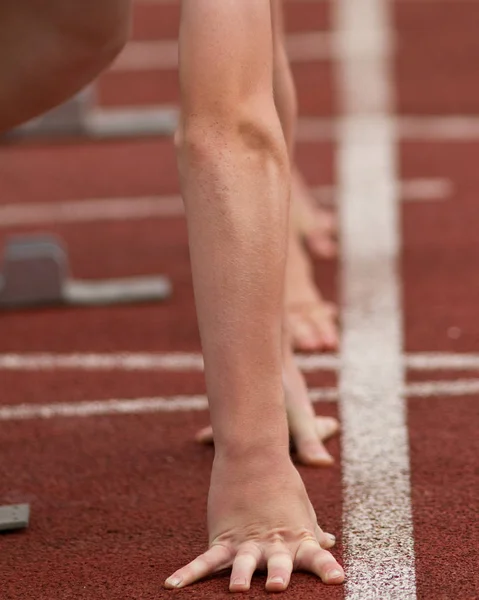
[[118, 502]]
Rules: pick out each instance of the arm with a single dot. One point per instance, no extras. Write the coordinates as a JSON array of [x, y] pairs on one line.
[[234, 174], [235, 177]]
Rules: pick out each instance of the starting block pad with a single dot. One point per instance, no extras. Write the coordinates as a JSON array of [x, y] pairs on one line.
[[36, 272], [14, 517]]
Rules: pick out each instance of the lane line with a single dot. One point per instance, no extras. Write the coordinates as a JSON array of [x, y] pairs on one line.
[[148, 55], [134, 406], [162, 120], [91, 210], [191, 361], [145, 207], [185, 362], [378, 533]]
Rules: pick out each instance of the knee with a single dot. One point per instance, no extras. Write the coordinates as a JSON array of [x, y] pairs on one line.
[[93, 39], [250, 125]]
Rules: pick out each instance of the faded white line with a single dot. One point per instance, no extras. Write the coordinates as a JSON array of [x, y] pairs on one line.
[[419, 128], [409, 190], [134, 406], [188, 362], [146, 207], [163, 54], [161, 120], [90, 210], [126, 361], [378, 533]]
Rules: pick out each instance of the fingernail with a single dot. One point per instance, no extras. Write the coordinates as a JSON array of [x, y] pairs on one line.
[[239, 581], [332, 537], [334, 574], [174, 581], [276, 580]]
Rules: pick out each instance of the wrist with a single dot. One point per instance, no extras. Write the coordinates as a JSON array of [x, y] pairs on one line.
[[262, 448]]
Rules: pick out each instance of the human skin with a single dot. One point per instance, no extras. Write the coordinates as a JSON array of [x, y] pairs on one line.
[[235, 180], [307, 431], [51, 49], [309, 319], [234, 169]]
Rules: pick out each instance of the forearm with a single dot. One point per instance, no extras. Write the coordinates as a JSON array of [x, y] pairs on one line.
[[236, 203], [283, 83], [235, 180]]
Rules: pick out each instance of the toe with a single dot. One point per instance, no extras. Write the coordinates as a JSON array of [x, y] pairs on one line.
[[205, 435], [304, 335], [326, 427]]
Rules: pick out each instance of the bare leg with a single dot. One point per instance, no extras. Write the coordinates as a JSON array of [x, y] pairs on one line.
[[235, 182], [50, 50]]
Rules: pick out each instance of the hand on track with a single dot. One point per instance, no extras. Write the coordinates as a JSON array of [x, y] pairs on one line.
[[260, 518]]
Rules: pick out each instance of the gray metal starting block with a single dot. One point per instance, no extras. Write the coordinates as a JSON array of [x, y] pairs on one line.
[[14, 517], [70, 118], [36, 272], [80, 117]]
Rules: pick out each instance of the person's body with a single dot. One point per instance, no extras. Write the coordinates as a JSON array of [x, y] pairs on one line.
[[310, 320], [235, 179]]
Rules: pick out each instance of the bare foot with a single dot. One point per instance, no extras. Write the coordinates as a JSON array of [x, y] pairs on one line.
[[315, 224], [308, 432], [312, 322]]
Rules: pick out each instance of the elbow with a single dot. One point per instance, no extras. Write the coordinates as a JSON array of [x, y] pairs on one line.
[[254, 133]]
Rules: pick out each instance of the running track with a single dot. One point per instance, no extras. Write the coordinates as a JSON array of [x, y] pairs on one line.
[[118, 499]]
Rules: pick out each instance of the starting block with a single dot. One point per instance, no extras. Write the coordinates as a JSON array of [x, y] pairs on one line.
[[81, 118], [36, 273], [14, 517]]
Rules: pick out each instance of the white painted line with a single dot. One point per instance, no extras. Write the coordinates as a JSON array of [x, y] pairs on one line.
[[437, 361], [410, 190], [162, 120], [127, 361], [147, 207], [378, 533], [445, 128], [425, 190], [134, 406], [103, 407], [189, 362], [120, 406], [442, 389], [154, 55], [90, 209]]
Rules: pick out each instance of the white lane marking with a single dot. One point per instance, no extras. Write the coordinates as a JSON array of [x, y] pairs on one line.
[[442, 389], [445, 128], [127, 361], [163, 54], [410, 190], [91, 209], [162, 120], [133, 406], [378, 533], [146, 207], [437, 361], [187, 362]]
